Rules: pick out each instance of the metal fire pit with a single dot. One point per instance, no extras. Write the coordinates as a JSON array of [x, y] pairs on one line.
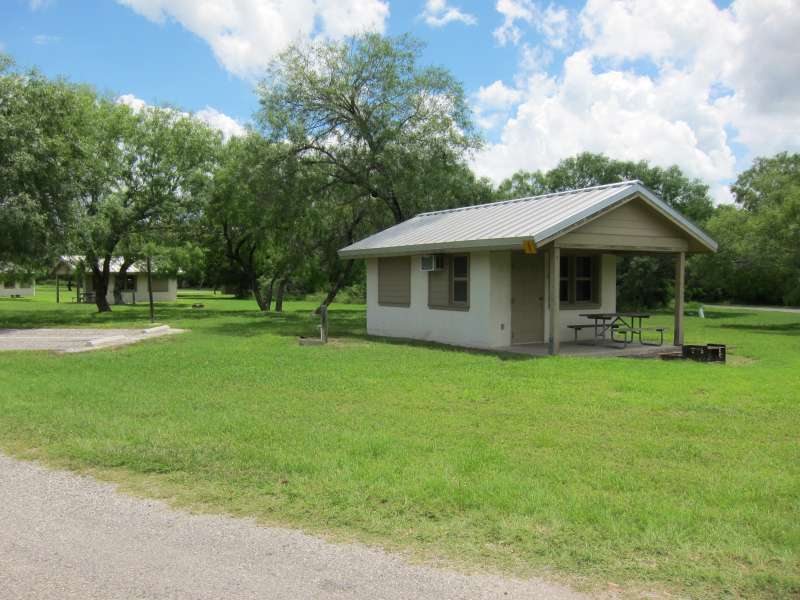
[[706, 353]]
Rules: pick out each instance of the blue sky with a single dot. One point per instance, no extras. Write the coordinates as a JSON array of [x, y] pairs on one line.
[[671, 81]]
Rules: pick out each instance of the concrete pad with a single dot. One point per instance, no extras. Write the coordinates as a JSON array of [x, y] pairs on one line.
[[77, 340]]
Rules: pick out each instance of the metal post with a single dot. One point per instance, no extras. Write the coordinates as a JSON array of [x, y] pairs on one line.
[[323, 328], [150, 289], [58, 291]]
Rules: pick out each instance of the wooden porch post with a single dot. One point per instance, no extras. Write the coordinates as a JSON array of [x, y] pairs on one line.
[[680, 268], [555, 299]]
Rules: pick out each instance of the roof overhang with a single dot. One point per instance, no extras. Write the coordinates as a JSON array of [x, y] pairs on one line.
[[701, 241]]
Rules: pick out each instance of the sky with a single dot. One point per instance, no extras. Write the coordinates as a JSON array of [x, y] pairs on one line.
[[705, 85]]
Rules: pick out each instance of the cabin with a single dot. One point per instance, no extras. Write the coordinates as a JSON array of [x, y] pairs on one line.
[[16, 288], [519, 272], [132, 285]]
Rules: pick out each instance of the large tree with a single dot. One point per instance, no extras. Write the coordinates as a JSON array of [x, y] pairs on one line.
[[389, 128], [759, 237], [144, 169], [257, 214], [43, 127]]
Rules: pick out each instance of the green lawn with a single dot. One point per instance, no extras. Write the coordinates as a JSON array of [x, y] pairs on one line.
[[652, 475]]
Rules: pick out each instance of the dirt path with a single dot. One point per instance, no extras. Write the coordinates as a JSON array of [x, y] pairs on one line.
[[65, 536]]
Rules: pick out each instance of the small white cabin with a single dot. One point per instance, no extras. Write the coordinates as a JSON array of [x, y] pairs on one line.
[[17, 288], [518, 271], [133, 285]]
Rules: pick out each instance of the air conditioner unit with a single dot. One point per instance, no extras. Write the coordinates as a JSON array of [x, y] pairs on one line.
[[432, 262]]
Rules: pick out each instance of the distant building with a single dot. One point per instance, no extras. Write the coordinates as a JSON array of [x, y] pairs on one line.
[[133, 286]]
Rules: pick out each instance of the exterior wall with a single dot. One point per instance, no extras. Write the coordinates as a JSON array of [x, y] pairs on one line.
[[141, 290], [485, 324], [608, 303], [18, 290]]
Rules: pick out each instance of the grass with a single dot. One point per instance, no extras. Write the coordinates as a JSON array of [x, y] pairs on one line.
[[664, 476]]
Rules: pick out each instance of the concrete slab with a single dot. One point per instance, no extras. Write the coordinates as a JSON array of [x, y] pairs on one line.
[[77, 340]]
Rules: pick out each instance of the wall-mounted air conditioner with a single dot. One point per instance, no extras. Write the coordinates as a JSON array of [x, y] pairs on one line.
[[432, 262]]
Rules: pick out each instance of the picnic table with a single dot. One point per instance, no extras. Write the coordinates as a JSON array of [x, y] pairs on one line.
[[629, 324]]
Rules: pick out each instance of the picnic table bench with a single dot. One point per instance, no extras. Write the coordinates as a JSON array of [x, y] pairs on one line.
[[629, 324]]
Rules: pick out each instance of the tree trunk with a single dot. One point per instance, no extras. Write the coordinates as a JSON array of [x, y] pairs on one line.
[[100, 279], [337, 285], [268, 293], [260, 299], [281, 291]]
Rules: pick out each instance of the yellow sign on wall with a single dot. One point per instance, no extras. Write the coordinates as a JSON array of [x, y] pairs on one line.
[[529, 246]]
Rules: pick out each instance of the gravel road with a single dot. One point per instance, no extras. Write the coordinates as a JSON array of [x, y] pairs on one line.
[[65, 536]]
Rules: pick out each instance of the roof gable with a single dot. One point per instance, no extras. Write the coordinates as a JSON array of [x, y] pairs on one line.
[[507, 223]]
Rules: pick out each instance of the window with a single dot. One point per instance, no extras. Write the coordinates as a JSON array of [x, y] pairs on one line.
[[459, 286], [448, 289], [394, 281], [579, 280], [130, 283], [9, 285]]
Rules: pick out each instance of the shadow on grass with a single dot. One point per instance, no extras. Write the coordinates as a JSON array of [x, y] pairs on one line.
[[772, 328]]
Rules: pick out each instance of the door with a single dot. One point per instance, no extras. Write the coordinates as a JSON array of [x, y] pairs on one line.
[[527, 298]]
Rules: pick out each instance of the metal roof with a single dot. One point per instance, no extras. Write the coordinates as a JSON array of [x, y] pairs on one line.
[[70, 263], [506, 224]]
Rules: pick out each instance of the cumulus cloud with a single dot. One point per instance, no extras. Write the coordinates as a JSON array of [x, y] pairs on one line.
[[438, 13], [228, 126], [246, 34], [552, 22], [671, 82]]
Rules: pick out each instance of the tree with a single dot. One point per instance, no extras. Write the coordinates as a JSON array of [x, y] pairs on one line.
[[143, 171], [256, 208], [43, 125], [759, 256], [386, 126]]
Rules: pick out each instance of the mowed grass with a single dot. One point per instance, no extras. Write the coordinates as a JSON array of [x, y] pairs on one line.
[[664, 476]]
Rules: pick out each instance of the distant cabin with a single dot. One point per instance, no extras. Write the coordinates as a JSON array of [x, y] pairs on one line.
[[518, 271], [17, 288], [133, 284]]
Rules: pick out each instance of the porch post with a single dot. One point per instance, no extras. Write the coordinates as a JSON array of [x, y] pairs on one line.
[[555, 299], [680, 268]]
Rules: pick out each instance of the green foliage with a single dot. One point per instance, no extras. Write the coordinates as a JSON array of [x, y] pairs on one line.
[[759, 257], [392, 132], [43, 128]]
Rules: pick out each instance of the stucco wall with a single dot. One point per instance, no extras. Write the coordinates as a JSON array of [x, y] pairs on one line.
[[480, 326], [487, 323], [141, 291], [17, 290]]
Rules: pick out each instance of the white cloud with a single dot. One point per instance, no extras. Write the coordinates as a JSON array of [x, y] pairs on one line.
[[438, 13], [136, 104], [553, 22], [245, 35], [671, 82], [44, 40], [228, 126]]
